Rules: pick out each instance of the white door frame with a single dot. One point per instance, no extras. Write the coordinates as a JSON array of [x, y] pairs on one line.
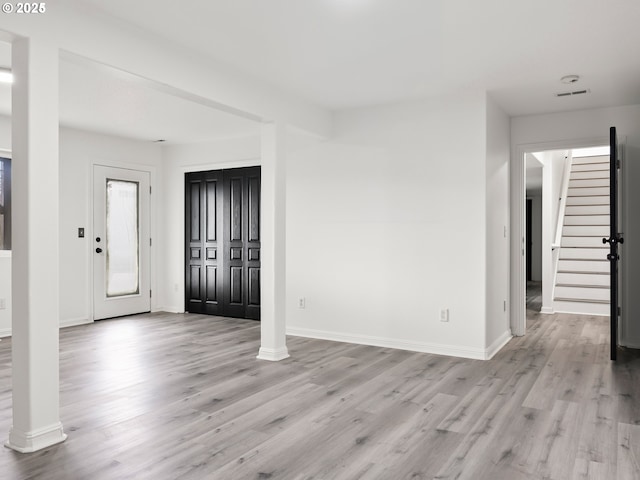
[[518, 202], [153, 208], [203, 167]]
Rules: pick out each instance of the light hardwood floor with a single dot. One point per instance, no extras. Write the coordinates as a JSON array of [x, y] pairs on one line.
[[165, 396], [534, 296]]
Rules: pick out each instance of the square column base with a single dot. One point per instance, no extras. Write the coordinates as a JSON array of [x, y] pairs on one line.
[[273, 355], [28, 442]]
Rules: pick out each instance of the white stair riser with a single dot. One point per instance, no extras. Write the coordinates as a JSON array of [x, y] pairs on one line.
[[595, 200], [585, 167], [589, 182], [591, 253], [587, 230], [583, 266], [589, 160], [585, 223], [589, 191], [582, 241], [581, 308], [579, 175], [583, 279], [586, 220], [587, 210], [582, 293]]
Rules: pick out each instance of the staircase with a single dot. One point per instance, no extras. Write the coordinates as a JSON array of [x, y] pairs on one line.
[[582, 280]]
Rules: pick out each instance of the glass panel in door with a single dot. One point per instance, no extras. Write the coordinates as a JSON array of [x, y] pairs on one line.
[[122, 234]]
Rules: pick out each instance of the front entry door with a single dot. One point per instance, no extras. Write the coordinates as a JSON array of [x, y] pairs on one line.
[[615, 238], [222, 239], [121, 242]]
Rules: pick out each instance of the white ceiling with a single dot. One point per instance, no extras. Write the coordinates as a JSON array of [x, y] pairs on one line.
[[99, 98], [346, 53]]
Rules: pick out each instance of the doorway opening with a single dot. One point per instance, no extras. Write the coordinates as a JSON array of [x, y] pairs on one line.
[[543, 225]]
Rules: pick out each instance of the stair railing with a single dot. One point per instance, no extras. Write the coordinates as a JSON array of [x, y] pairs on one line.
[[557, 241]]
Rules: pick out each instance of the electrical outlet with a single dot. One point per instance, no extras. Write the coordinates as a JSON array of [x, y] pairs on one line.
[[175, 287], [444, 315], [302, 302], [3, 303]]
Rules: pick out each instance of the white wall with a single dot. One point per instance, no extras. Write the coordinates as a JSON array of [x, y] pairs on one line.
[[386, 225], [497, 208], [594, 124], [178, 159], [78, 151]]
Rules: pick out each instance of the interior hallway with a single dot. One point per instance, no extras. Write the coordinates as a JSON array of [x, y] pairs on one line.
[[162, 396], [534, 297]]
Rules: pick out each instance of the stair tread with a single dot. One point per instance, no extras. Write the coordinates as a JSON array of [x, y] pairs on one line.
[[598, 182], [581, 285], [581, 300], [585, 259], [583, 272]]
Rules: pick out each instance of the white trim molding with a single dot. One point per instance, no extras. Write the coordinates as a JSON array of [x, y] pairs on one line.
[[272, 355], [497, 345], [74, 322], [432, 348], [170, 309], [27, 442]]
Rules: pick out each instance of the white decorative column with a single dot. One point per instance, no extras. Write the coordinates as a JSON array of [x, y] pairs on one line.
[[34, 278], [273, 345]]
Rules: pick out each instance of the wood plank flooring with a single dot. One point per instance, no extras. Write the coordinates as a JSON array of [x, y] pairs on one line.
[[165, 396]]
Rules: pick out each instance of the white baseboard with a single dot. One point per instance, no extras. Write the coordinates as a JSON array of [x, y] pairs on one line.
[[170, 309], [70, 322], [434, 348], [74, 322], [632, 344], [497, 345], [547, 310]]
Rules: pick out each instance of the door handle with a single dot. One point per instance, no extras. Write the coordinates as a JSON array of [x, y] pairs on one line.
[[98, 250], [613, 240]]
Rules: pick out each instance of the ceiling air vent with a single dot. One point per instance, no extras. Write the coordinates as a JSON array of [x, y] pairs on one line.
[[571, 94]]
